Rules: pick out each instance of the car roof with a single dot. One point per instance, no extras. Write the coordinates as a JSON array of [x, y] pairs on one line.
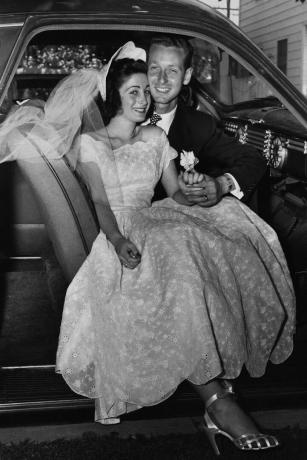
[[185, 14], [190, 14], [26, 7]]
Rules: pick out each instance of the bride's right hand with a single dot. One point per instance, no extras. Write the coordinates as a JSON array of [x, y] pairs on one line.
[[127, 253]]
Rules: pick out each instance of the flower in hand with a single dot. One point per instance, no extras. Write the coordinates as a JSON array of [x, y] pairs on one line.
[[188, 160]]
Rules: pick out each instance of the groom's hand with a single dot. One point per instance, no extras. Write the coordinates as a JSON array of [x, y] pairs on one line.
[[213, 190], [206, 193]]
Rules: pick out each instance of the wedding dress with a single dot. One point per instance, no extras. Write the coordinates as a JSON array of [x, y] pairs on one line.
[[212, 292]]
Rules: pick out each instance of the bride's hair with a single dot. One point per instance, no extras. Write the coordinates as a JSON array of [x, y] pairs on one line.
[[119, 72]]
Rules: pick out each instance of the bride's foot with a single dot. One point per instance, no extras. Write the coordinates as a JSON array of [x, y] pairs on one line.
[[224, 416]]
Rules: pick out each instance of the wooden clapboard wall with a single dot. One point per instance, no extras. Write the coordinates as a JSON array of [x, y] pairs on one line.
[[268, 21]]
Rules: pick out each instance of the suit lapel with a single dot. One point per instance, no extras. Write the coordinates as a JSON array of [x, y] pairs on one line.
[[176, 134], [186, 133]]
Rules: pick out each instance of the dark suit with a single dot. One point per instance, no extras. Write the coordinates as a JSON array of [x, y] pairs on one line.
[[217, 152]]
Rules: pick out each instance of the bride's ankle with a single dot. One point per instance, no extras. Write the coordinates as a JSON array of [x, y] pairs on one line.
[[225, 411], [223, 403], [220, 390]]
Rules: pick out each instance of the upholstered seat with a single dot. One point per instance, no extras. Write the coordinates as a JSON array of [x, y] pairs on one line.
[[66, 210]]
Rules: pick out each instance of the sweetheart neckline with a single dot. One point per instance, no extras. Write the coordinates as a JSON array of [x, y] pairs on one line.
[[124, 145]]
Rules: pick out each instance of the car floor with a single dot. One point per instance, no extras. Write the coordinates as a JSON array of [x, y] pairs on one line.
[[29, 326]]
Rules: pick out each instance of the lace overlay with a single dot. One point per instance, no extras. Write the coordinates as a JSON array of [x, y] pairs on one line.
[[212, 293]]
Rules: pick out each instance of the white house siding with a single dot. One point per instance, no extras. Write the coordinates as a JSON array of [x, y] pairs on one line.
[[267, 21]]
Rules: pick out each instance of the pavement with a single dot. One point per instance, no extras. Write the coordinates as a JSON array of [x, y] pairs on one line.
[[276, 419]]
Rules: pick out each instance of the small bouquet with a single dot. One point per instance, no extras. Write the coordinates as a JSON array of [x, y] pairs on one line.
[[188, 160]]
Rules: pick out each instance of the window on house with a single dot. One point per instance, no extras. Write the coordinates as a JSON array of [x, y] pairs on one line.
[[282, 54]]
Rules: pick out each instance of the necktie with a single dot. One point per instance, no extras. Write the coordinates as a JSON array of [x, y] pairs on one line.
[[154, 119]]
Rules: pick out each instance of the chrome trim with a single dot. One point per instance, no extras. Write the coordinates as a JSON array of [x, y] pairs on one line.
[[254, 122], [267, 144], [25, 258], [278, 152], [12, 24], [242, 133], [47, 404], [40, 366]]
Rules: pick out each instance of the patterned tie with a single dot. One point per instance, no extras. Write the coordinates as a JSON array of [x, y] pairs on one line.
[[154, 119]]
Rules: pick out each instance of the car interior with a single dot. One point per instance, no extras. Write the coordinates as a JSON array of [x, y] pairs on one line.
[[48, 221]]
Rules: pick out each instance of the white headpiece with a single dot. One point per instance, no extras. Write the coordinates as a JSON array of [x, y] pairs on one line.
[[129, 50]]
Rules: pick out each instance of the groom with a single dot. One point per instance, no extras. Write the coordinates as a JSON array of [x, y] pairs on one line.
[[230, 167]]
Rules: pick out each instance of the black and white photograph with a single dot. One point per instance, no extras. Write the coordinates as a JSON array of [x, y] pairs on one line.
[[153, 230]]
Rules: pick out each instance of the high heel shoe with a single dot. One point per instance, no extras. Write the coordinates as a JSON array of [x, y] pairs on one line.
[[248, 441]]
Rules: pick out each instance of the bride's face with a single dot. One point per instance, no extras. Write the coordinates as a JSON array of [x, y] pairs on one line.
[[135, 97]]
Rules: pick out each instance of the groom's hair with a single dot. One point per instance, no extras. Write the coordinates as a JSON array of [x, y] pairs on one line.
[[176, 41], [118, 73]]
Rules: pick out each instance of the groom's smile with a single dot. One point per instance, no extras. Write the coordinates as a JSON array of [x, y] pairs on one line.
[[162, 90]]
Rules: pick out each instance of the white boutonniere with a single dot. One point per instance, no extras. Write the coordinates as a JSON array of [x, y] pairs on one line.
[[188, 160]]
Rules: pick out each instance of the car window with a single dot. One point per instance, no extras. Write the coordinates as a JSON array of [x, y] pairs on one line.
[[223, 77], [52, 55], [43, 65]]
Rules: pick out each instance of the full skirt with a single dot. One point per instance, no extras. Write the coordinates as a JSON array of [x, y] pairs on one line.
[[212, 293]]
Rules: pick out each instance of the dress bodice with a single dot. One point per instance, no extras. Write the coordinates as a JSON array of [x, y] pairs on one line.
[[130, 172]]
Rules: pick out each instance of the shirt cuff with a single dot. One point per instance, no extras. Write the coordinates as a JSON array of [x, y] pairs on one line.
[[237, 192]]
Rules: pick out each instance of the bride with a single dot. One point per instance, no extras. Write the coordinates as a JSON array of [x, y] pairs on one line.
[[170, 292]]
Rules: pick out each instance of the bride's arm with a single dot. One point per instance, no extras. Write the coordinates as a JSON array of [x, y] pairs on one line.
[[170, 183], [91, 176], [125, 249]]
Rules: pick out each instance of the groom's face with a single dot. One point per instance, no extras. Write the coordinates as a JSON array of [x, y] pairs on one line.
[[166, 75]]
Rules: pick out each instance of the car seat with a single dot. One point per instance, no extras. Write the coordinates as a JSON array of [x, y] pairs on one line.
[[66, 209]]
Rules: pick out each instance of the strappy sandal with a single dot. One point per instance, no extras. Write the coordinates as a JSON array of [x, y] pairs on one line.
[[247, 441]]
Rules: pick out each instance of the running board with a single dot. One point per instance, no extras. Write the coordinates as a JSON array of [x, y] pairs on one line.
[[30, 388]]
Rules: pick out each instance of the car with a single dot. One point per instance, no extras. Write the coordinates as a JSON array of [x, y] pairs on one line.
[[48, 224]]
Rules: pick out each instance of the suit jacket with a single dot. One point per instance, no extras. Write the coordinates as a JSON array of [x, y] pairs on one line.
[[217, 152]]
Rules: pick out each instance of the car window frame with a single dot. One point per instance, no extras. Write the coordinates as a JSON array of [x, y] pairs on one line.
[[9, 34]]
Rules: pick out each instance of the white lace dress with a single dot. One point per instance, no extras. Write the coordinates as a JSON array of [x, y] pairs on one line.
[[211, 294]]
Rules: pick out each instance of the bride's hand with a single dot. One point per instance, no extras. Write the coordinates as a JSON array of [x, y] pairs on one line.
[[195, 192], [192, 177], [127, 253]]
